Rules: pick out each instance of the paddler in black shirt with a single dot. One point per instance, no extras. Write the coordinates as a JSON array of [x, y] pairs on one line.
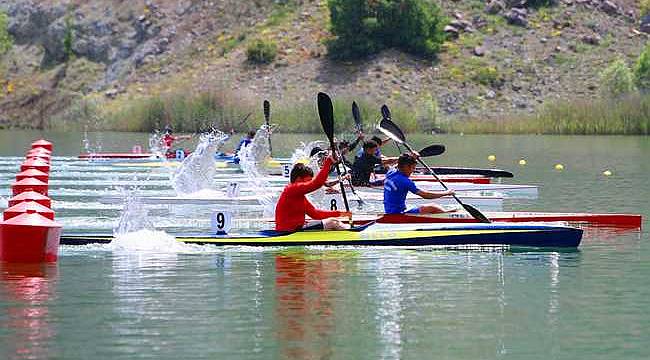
[[364, 165]]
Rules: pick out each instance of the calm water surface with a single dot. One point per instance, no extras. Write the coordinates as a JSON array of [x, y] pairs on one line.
[[168, 301]]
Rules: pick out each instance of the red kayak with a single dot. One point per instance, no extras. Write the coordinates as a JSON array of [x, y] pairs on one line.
[[606, 220], [475, 179], [169, 155]]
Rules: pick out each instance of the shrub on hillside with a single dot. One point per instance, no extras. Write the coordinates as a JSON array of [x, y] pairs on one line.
[[642, 70], [364, 27], [617, 80], [644, 7], [261, 51], [6, 41]]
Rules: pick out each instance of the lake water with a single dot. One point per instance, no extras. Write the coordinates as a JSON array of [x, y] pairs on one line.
[[151, 298]]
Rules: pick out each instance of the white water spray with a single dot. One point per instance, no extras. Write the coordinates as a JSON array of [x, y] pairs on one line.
[[197, 171]]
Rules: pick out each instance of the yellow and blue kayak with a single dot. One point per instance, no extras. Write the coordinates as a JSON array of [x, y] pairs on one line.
[[524, 235]]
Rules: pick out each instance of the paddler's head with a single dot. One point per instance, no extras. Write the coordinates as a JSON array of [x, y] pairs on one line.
[[377, 140], [406, 164], [168, 129], [301, 173], [370, 147], [251, 134]]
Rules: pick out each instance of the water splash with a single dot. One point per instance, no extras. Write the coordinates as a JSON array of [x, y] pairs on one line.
[[134, 215], [155, 143], [148, 241], [253, 161], [197, 171]]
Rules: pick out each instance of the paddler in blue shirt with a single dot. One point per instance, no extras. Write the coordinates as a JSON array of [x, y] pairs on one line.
[[244, 142], [397, 185]]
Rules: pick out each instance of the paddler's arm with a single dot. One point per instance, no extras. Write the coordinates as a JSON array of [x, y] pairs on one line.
[[356, 142], [434, 194], [318, 181]]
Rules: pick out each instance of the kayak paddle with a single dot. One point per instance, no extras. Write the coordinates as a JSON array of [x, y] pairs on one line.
[[356, 114], [267, 114], [385, 114], [432, 150], [326, 114], [391, 130]]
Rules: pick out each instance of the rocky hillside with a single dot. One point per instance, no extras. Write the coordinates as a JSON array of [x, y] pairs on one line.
[[502, 57]]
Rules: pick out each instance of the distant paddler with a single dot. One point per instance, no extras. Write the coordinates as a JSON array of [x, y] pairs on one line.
[[397, 185], [364, 165], [293, 205], [243, 143], [168, 139]]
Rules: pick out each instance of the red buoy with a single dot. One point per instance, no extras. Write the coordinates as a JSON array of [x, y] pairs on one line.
[[29, 238], [33, 173], [28, 206], [31, 196], [39, 157], [39, 151], [35, 164], [43, 144], [29, 184]]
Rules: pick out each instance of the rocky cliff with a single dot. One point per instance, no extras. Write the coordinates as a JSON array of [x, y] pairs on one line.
[[502, 57]]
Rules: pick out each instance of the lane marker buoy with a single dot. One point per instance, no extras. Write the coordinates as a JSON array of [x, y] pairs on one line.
[[607, 173], [522, 162], [492, 158], [559, 167]]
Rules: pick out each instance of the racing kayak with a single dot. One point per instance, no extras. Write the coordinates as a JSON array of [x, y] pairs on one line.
[[518, 235], [449, 170], [577, 219]]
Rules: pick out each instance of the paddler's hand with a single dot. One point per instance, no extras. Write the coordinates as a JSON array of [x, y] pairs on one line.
[[333, 157], [448, 193], [416, 154]]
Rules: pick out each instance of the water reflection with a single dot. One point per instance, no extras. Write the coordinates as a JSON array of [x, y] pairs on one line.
[[26, 291], [307, 288]]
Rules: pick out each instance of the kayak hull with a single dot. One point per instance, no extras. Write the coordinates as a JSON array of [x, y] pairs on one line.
[[394, 235], [605, 220]]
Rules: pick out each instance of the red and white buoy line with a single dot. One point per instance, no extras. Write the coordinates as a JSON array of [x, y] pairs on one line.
[[28, 232]]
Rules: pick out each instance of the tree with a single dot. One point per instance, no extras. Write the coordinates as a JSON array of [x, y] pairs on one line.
[[6, 41], [642, 70], [617, 80]]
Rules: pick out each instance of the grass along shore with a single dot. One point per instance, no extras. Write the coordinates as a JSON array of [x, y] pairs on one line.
[[199, 111]]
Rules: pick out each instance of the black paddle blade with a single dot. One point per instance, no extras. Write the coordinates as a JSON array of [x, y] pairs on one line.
[[391, 130], [356, 114], [267, 111], [385, 113], [326, 114], [475, 213], [432, 150]]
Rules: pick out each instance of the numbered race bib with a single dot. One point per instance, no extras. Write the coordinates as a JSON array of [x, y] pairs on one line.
[[221, 222], [180, 154], [233, 190]]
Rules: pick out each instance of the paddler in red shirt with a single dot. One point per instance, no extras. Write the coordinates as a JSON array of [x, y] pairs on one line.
[[168, 139], [293, 205]]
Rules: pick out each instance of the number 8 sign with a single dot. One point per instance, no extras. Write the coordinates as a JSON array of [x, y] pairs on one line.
[[221, 222]]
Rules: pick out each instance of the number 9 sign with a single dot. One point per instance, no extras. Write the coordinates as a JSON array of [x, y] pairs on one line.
[[221, 222]]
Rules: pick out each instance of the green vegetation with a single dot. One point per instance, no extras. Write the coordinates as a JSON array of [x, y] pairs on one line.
[[642, 70], [6, 41], [364, 27], [68, 36], [617, 80], [189, 111], [629, 115], [261, 51], [644, 7]]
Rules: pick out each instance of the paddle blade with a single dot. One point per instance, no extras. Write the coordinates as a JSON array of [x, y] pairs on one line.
[[432, 150], [476, 213], [326, 114], [391, 130], [385, 112], [356, 114], [267, 111]]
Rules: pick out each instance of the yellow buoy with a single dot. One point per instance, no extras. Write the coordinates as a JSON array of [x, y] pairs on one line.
[[559, 167], [607, 173], [522, 162], [492, 158]]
